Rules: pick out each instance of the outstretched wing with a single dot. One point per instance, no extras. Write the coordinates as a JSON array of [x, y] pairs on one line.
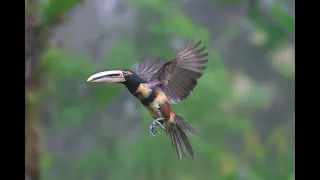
[[146, 68], [179, 76]]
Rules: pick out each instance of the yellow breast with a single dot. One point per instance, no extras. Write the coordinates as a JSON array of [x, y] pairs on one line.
[[143, 91], [154, 108]]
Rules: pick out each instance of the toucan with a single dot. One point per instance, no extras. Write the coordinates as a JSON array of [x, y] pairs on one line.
[[159, 83]]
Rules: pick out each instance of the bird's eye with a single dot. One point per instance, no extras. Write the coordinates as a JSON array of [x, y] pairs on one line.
[[127, 73]]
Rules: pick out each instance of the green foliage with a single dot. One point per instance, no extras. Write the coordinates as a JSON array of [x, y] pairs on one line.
[[279, 25], [119, 60], [54, 8], [47, 160], [91, 161], [284, 18], [231, 2], [64, 65]]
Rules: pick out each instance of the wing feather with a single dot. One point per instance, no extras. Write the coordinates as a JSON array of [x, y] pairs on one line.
[[179, 76], [147, 68]]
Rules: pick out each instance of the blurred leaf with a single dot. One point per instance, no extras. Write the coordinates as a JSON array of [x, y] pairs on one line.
[[233, 32], [283, 59], [260, 96], [292, 177], [287, 71], [233, 2], [228, 164], [256, 176], [284, 18], [70, 115], [91, 161], [47, 160], [154, 4], [254, 147], [64, 65], [259, 37], [278, 138], [106, 92], [31, 98], [53, 8], [122, 56], [277, 28]]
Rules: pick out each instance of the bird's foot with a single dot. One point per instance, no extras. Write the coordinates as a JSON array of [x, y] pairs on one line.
[[156, 124]]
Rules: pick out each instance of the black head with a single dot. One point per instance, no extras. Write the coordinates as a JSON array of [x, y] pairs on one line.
[[130, 79]]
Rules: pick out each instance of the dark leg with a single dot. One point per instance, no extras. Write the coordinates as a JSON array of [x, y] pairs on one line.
[[156, 123]]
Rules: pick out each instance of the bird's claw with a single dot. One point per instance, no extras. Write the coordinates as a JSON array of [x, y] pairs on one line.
[[153, 129], [155, 124]]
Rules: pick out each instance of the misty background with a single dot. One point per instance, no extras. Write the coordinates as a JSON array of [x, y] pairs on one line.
[[243, 105]]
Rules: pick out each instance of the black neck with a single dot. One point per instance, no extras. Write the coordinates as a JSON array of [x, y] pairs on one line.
[[132, 83]]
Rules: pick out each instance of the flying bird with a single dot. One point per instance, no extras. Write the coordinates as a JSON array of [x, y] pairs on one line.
[[159, 83]]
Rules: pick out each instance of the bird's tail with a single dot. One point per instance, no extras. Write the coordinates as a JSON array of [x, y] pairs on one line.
[[179, 139]]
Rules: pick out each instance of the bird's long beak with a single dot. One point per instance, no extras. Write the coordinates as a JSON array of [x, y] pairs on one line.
[[115, 76]]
